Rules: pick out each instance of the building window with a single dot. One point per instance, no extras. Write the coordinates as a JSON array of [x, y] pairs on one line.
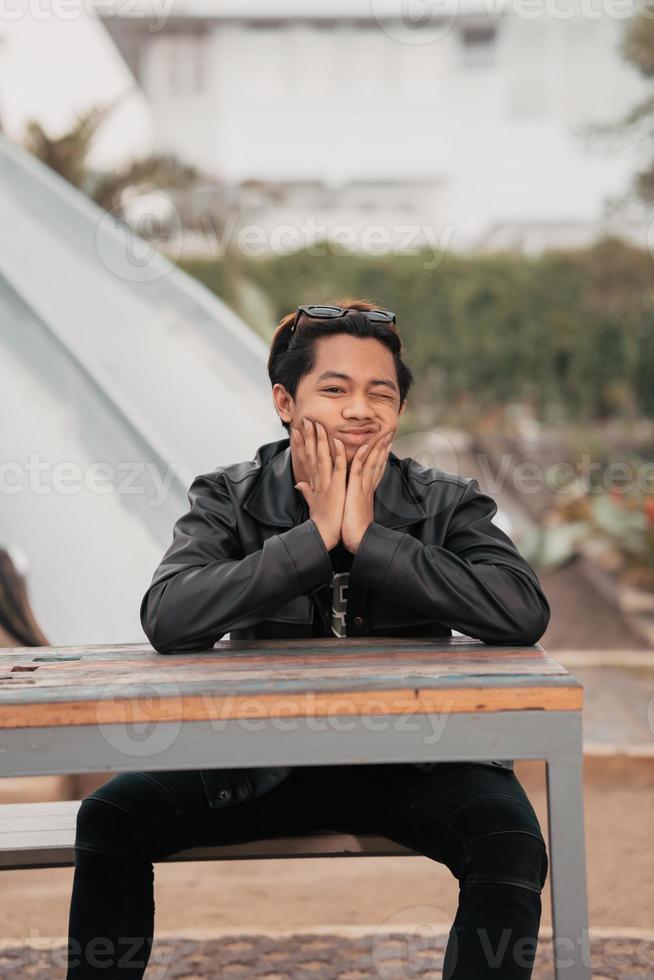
[[526, 75], [264, 25], [528, 98], [478, 45], [259, 61], [187, 64]]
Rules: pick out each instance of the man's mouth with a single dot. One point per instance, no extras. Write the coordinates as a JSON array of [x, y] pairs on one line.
[[357, 436]]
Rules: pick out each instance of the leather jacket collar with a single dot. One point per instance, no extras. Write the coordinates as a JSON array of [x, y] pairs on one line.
[[274, 500]]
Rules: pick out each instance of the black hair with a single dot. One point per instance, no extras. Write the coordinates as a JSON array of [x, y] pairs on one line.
[[292, 355]]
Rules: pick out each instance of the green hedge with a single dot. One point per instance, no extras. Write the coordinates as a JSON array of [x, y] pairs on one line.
[[571, 332]]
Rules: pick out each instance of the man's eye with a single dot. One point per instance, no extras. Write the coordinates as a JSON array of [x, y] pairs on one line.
[[388, 397]]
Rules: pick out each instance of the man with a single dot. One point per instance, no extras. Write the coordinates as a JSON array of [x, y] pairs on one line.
[[328, 533]]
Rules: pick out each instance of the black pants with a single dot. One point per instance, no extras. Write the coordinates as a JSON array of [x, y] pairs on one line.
[[475, 819]]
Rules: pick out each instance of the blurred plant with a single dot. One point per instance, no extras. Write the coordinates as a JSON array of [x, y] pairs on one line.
[[569, 333], [619, 524], [625, 520], [68, 155], [637, 47]]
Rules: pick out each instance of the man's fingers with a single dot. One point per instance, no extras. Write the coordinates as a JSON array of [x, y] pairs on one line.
[[298, 447], [358, 459], [310, 447], [341, 456], [382, 461], [372, 459], [367, 462], [340, 464], [324, 455], [383, 444], [298, 436]]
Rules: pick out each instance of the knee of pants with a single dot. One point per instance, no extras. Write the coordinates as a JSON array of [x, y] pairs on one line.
[[107, 829], [506, 845]]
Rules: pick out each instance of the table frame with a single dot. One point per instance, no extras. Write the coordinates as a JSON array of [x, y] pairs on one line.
[[553, 736]]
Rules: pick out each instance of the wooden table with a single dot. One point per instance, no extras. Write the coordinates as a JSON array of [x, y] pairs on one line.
[[311, 702]]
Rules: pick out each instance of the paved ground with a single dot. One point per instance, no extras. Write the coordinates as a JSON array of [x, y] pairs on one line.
[[581, 619], [618, 702], [321, 956]]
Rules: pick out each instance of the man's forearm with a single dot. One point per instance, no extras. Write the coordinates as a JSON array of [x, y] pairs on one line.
[[200, 591]]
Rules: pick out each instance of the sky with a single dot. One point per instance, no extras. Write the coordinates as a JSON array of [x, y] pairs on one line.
[[53, 66]]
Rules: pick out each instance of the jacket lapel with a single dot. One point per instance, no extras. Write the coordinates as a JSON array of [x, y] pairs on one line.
[[274, 501]]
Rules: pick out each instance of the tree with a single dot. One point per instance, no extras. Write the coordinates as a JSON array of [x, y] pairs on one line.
[[637, 47], [68, 155]]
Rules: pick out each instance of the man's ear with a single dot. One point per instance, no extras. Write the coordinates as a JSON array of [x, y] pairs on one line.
[[282, 402]]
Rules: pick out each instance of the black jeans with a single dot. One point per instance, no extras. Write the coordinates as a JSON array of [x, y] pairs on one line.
[[475, 819]]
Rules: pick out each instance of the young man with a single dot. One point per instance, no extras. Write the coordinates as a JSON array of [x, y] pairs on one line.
[[328, 533]]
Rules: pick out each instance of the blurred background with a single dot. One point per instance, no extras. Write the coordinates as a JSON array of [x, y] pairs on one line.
[[176, 175]]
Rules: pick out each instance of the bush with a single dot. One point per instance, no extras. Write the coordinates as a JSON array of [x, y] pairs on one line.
[[572, 332]]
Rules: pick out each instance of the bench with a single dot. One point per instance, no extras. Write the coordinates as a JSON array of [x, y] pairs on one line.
[[42, 835]]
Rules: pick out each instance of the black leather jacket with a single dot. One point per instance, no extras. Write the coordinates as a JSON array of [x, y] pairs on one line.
[[247, 559]]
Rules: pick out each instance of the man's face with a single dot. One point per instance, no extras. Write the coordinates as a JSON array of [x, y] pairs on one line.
[[368, 398]]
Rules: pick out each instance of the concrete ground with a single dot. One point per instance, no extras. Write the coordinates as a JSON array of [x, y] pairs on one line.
[[318, 955], [581, 619]]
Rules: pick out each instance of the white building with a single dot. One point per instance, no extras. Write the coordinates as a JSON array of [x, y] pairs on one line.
[[470, 125]]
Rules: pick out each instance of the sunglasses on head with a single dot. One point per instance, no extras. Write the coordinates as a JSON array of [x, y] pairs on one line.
[[331, 312]]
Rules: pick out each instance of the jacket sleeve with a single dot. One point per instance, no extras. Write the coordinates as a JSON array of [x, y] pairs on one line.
[[477, 582], [205, 586]]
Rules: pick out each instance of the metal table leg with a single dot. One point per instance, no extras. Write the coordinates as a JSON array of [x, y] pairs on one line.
[[567, 868]]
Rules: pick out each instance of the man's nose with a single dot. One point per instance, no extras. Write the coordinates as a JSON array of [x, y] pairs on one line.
[[358, 411]]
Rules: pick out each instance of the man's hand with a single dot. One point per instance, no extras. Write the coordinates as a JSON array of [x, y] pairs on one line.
[[322, 484], [366, 471]]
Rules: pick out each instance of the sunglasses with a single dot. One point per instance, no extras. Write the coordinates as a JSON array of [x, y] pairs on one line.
[[331, 312]]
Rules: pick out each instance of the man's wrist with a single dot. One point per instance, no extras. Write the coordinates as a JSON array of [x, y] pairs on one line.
[[309, 555], [328, 542], [375, 554]]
